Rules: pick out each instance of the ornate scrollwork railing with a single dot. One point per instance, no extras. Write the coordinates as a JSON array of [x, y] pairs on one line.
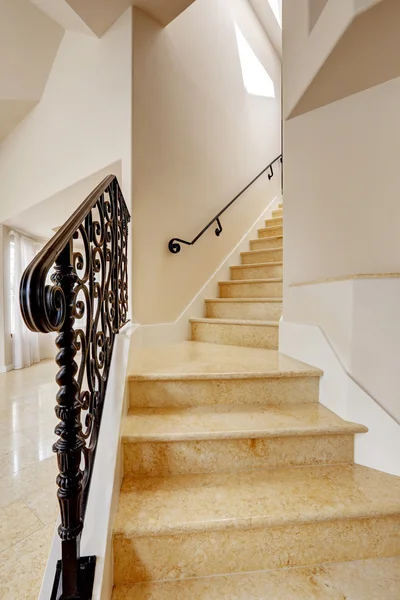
[[78, 286], [174, 245]]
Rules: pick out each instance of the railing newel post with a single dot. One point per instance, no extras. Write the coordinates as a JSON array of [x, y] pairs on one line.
[[70, 443], [86, 304]]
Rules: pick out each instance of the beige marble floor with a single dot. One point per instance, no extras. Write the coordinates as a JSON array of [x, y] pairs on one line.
[[28, 504]]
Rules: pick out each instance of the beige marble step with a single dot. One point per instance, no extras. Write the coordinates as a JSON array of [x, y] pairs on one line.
[[202, 525], [276, 220], [271, 231], [196, 374], [207, 439], [258, 271], [371, 579], [278, 212], [236, 332], [251, 288], [260, 309], [262, 256], [275, 242]]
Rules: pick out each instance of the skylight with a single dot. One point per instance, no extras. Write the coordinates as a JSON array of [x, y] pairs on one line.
[[274, 4], [255, 78]]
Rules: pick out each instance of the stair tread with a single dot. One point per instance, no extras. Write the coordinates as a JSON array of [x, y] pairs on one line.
[[358, 580], [264, 280], [198, 360], [244, 299], [271, 237], [223, 321], [271, 227], [277, 263], [233, 422], [260, 498], [252, 252]]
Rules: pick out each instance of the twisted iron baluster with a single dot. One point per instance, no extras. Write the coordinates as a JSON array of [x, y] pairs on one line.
[[70, 443]]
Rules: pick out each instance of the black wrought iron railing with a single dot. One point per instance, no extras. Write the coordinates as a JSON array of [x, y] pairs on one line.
[[174, 245], [78, 286]]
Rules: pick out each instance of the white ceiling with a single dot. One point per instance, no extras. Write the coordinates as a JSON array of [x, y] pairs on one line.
[[40, 220], [269, 23], [96, 16], [24, 62]]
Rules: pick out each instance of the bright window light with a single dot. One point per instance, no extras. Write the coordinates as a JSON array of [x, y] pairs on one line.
[[274, 4], [255, 78]]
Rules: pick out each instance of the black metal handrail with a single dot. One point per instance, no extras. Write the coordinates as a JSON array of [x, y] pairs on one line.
[[77, 286], [174, 243]]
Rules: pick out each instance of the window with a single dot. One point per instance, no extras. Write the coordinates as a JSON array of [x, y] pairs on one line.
[[255, 78]]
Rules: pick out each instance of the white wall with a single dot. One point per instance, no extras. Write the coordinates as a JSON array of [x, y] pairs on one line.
[[361, 319], [41, 220], [375, 360], [342, 181], [380, 447], [342, 217], [22, 25], [28, 44], [82, 123], [199, 138], [329, 306], [305, 51]]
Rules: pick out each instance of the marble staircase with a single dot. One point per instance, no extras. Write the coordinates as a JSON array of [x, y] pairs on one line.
[[238, 484]]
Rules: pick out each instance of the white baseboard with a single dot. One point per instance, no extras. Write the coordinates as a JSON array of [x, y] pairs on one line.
[[380, 447], [179, 330]]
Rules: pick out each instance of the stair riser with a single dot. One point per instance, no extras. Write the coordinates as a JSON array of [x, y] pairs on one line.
[[275, 221], [262, 311], [154, 459], [265, 243], [270, 231], [249, 259], [235, 551], [251, 290], [209, 392], [263, 272], [250, 336], [277, 213]]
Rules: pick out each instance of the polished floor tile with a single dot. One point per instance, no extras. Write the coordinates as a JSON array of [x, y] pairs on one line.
[[17, 521], [28, 468], [13, 442], [23, 564]]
